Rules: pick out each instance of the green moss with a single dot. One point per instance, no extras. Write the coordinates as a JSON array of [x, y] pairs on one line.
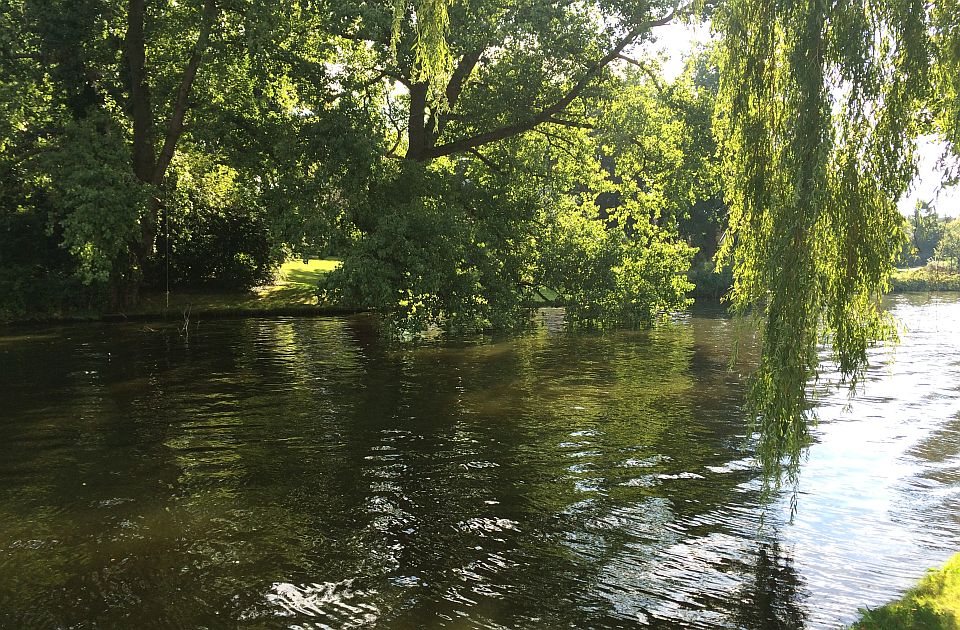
[[934, 604]]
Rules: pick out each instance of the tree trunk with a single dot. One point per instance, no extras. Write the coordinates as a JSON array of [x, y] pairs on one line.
[[418, 133], [149, 168]]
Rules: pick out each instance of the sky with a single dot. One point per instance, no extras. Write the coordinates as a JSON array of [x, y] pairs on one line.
[[676, 40]]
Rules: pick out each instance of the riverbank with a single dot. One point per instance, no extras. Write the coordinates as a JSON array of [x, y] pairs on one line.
[[933, 604], [294, 292], [295, 287], [935, 276]]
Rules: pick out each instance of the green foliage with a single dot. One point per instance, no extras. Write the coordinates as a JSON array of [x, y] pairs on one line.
[[96, 197], [948, 249], [934, 604], [430, 251], [433, 61], [607, 277], [468, 244], [945, 18], [934, 276], [210, 249], [818, 108], [218, 234], [925, 230], [36, 274], [709, 282]]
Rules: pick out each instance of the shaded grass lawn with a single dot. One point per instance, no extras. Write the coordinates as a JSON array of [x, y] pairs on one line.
[[934, 604], [295, 286]]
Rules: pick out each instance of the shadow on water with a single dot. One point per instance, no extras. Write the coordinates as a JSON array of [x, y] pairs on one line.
[[771, 598], [299, 473]]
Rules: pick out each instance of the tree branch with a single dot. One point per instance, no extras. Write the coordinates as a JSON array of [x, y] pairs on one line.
[[493, 166], [561, 143], [550, 111], [141, 112], [399, 78], [418, 130], [455, 87], [29, 153], [180, 105], [570, 123], [657, 83]]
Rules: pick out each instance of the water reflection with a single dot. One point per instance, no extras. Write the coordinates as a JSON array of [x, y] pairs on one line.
[[774, 591], [298, 473]]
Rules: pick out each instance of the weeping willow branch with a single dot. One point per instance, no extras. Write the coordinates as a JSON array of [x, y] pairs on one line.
[[946, 42], [433, 60], [818, 109]]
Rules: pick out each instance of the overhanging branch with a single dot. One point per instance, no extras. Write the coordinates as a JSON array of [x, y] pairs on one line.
[[544, 115]]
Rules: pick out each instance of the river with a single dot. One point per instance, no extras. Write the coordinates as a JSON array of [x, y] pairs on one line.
[[300, 473]]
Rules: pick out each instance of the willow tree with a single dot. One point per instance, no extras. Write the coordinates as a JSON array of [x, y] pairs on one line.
[[945, 17], [820, 105]]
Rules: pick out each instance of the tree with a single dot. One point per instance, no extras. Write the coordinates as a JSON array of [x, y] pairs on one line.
[[948, 249], [118, 110], [925, 233], [90, 58], [945, 40], [819, 107], [491, 158], [502, 69]]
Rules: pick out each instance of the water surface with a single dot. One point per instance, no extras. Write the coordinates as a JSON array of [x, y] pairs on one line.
[[298, 473]]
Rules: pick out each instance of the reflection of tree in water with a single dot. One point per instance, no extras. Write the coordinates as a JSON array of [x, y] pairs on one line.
[[304, 468], [771, 600]]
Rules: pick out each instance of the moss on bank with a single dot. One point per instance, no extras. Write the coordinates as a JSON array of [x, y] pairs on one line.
[[934, 604]]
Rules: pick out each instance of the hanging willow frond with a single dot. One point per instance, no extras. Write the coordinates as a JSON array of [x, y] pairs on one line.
[[433, 60], [946, 19], [818, 108]]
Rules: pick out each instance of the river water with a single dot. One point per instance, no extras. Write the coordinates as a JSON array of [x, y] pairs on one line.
[[298, 473]]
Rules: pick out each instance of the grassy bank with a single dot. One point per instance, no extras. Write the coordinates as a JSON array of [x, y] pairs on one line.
[[295, 286], [935, 276], [934, 604], [293, 292]]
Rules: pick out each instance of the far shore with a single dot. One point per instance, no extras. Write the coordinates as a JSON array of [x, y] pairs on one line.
[[294, 293]]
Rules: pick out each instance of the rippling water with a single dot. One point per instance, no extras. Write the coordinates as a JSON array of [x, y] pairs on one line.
[[298, 473]]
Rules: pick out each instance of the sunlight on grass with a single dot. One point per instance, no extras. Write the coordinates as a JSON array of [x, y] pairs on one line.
[[934, 604], [297, 281], [295, 285], [935, 276]]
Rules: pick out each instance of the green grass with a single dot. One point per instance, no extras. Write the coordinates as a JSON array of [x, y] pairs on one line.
[[934, 604], [295, 286], [935, 276]]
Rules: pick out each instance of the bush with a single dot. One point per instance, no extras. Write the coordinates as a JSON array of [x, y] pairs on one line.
[[609, 278], [935, 276], [37, 276], [213, 249], [708, 283]]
